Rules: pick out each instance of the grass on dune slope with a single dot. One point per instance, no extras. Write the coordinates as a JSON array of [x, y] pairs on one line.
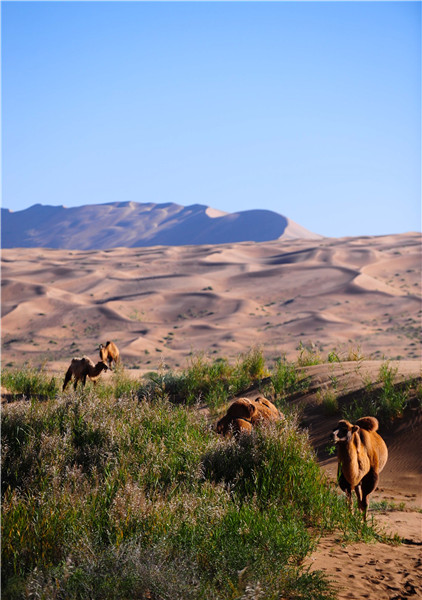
[[107, 497]]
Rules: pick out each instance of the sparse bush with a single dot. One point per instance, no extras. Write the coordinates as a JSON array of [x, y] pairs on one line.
[[386, 399], [30, 382], [333, 356], [327, 398], [286, 379], [308, 355], [252, 364], [355, 354], [206, 381]]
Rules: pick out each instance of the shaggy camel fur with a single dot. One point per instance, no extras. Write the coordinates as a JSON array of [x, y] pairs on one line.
[[81, 368], [109, 353], [362, 455], [243, 414]]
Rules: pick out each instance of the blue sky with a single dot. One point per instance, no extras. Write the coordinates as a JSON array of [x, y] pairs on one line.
[[310, 109]]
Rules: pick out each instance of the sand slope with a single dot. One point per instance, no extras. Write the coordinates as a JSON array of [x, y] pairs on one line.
[[161, 303]]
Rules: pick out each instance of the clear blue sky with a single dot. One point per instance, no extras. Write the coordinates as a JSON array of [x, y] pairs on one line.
[[310, 109]]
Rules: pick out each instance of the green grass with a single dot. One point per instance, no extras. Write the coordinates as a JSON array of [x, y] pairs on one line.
[[286, 381], [385, 399], [109, 496], [387, 506], [328, 400], [308, 355], [30, 382], [206, 381]]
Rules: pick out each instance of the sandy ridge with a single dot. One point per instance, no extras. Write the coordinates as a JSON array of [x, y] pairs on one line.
[[161, 303]]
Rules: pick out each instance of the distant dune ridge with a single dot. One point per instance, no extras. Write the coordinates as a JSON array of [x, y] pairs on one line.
[[134, 224], [161, 303]]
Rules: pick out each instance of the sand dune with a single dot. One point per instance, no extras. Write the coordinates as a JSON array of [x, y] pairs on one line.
[[161, 303], [134, 224]]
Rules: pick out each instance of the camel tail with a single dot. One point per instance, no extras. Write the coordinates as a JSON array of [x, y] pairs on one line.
[[368, 423]]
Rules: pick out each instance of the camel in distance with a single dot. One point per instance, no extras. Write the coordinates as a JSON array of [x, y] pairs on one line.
[[81, 368], [109, 353]]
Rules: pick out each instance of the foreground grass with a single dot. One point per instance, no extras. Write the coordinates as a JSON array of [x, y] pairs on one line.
[[115, 498]]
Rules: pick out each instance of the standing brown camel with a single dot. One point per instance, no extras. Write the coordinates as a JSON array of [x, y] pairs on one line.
[[81, 368], [109, 353], [362, 454]]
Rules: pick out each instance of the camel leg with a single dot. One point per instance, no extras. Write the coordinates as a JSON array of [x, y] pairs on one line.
[[345, 486], [67, 378], [358, 492], [368, 483]]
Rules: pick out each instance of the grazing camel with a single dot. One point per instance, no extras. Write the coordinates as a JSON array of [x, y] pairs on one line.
[[81, 368], [243, 414], [362, 455], [109, 353]]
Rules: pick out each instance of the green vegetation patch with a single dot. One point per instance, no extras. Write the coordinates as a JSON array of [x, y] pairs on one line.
[[30, 382], [111, 498], [207, 381], [387, 398]]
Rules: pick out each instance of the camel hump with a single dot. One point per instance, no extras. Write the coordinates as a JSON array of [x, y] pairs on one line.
[[263, 400], [242, 408], [368, 423]]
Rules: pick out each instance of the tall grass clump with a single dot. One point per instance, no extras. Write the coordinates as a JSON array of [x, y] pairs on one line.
[[119, 384], [385, 399], [276, 467], [30, 382], [308, 355], [115, 498], [207, 381], [286, 380]]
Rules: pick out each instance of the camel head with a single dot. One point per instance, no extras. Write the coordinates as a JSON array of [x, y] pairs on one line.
[[343, 432]]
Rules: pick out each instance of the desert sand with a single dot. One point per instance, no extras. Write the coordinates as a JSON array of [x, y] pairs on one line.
[[358, 296], [160, 304]]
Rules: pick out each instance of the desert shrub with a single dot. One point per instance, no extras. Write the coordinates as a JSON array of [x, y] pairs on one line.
[[333, 356], [252, 364], [120, 384], [308, 355], [206, 381], [286, 379], [354, 354], [385, 399], [328, 400], [30, 382]]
